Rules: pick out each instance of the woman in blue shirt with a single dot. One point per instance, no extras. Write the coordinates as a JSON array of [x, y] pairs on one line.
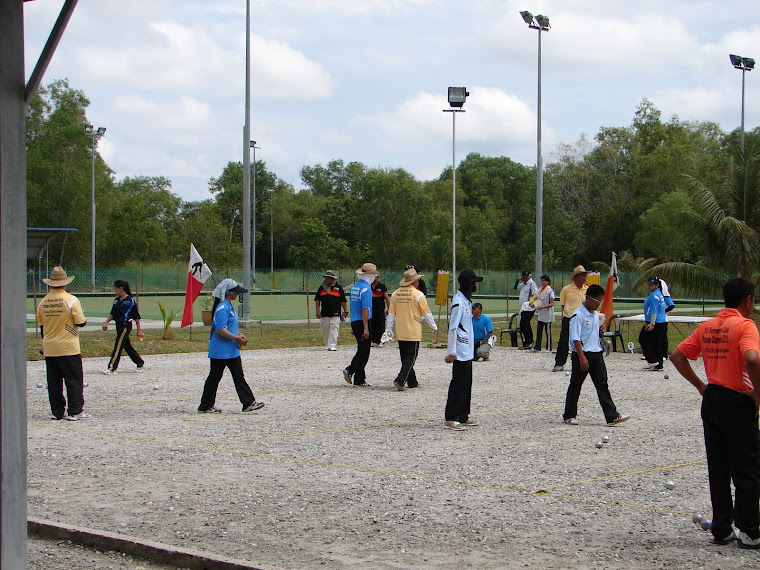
[[123, 312], [224, 350]]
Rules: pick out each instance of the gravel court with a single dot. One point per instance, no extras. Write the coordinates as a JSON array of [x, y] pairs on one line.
[[333, 475]]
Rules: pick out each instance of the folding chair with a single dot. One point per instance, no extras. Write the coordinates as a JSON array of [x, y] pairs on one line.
[[614, 334], [513, 331]]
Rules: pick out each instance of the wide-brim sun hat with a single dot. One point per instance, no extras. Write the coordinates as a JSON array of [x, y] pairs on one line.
[[410, 276], [330, 273], [579, 269], [58, 277], [368, 268]]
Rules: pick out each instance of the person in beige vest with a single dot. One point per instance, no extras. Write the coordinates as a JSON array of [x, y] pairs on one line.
[[570, 297], [408, 308]]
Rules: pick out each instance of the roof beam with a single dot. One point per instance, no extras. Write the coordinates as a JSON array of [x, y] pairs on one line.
[[47, 53]]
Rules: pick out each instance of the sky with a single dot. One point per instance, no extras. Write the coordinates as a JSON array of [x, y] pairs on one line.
[[367, 80]]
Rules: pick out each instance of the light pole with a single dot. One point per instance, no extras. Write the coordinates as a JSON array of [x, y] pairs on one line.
[[253, 241], [246, 297], [271, 234], [93, 134], [457, 97], [743, 64], [540, 23]]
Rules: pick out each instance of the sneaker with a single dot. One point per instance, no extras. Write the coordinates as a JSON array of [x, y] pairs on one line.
[[141, 368], [651, 367], [470, 423], [399, 386], [332, 349], [570, 421], [52, 417], [79, 416], [731, 536], [373, 345], [255, 406], [380, 345], [536, 350], [364, 385], [109, 371], [453, 425], [558, 368], [744, 541], [410, 385], [347, 376], [211, 410], [618, 420], [528, 346]]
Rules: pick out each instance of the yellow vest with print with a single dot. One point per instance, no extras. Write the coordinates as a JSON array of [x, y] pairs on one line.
[[409, 305], [59, 313]]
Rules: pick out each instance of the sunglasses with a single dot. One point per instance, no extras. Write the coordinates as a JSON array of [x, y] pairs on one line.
[[599, 301]]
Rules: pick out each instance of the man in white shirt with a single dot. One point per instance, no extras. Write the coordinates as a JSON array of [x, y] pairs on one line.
[[587, 358], [528, 289], [461, 352]]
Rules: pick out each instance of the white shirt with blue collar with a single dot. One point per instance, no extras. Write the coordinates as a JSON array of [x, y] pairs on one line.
[[461, 334], [584, 326]]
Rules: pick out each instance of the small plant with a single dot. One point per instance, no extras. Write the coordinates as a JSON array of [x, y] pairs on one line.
[[207, 302], [168, 319]]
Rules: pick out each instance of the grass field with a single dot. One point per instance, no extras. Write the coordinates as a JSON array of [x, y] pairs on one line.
[[281, 335], [266, 307]]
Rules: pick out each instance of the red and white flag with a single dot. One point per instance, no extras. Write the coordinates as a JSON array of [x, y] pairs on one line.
[[197, 273], [613, 281]]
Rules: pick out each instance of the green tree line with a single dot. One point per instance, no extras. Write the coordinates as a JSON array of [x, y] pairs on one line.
[[673, 196]]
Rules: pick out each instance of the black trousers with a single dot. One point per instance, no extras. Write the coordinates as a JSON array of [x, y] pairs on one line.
[[122, 343], [598, 372], [460, 392], [654, 343], [408, 350], [563, 346], [242, 388], [377, 327], [732, 443], [525, 328], [65, 370], [540, 328], [363, 346]]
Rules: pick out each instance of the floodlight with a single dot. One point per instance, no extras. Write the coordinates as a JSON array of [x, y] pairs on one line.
[[457, 96], [749, 63], [543, 21], [101, 131], [527, 16], [736, 60], [88, 129]]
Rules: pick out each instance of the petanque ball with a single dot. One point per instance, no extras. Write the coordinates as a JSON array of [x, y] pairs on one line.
[[85, 384], [39, 384], [669, 485], [666, 377], [706, 524], [155, 387], [696, 518], [599, 444], [606, 439], [567, 373]]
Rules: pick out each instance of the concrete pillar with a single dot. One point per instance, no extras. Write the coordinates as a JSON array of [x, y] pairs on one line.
[[12, 285]]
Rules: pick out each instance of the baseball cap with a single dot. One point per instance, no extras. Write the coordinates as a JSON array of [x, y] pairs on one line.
[[468, 276], [238, 289], [653, 280], [526, 273], [477, 306]]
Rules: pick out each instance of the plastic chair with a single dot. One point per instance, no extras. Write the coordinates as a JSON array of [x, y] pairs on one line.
[[614, 334], [513, 331]]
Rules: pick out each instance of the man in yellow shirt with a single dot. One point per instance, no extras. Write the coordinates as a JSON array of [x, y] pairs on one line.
[[60, 316], [570, 297], [408, 308]]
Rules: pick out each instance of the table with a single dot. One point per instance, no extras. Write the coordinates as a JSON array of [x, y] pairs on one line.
[[671, 319]]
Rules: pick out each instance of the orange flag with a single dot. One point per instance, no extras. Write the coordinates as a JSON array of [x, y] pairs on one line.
[[612, 283]]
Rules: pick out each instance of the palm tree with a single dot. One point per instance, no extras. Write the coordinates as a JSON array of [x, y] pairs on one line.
[[726, 223]]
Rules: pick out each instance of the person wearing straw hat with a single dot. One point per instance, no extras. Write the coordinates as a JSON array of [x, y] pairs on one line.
[[570, 297], [328, 300], [408, 308], [361, 314], [60, 316]]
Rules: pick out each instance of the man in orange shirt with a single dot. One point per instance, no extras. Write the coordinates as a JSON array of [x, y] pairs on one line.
[[729, 344]]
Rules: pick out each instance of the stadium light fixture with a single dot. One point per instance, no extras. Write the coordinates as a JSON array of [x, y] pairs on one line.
[[457, 97], [94, 135], [743, 64]]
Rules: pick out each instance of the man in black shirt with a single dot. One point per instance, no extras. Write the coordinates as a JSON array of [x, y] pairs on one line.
[[329, 299]]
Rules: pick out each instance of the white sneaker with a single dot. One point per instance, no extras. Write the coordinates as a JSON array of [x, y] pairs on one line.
[[79, 416], [108, 371], [141, 368]]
